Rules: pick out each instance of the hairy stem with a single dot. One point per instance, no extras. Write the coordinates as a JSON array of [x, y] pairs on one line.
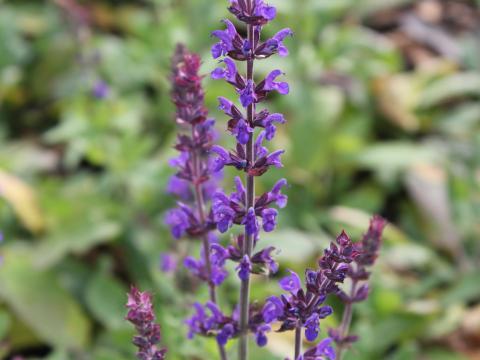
[[298, 341], [248, 243], [200, 203], [346, 320]]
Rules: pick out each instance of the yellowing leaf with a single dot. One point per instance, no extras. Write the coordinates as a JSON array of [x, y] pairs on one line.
[[23, 200]]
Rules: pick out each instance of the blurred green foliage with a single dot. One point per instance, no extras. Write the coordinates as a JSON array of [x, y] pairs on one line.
[[370, 131]]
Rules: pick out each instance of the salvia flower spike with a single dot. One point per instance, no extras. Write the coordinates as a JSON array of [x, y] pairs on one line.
[[367, 252], [249, 155], [196, 178], [302, 308], [141, 315]]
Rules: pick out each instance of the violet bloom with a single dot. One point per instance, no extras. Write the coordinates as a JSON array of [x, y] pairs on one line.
[[226, 40], [274, 45], [178, 222], [262, 13], [260, 335], [270, 84], [251, 223], [244, 268], [273, 309], [209, 320], [322, 351], [291, 283], [229, 73], [267, 120], [140, 314], [100, 90], [247, 94], [269, 219], [168, 262], [216, 274]]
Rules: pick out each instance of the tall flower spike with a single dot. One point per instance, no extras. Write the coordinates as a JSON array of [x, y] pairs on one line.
[[141, 315], [367, 252], [249, 154], [303, 309], [197, 173]]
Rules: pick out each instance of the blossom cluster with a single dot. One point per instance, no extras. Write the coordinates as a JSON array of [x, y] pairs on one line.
[[195, 180], [304, 307], [249, 155], [140, 314], [209, 320], [367, 251]]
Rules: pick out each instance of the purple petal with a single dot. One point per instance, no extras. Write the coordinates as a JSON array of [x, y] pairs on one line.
[[291, 283]]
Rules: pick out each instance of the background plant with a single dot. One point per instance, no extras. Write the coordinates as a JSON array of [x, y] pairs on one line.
[[385, 121]]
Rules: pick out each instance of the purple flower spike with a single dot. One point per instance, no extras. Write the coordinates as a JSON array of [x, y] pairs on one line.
[[291, 283], [269, 219], [140, 314], [243, 206], [244, 268], [250, 222], [273, 309]]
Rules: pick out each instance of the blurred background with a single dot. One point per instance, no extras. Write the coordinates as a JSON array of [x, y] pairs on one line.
[[383, 117]]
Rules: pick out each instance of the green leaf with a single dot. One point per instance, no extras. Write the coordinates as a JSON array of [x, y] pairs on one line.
[[466, 288], [75, 240], [5, 320], [41, 302], [106, 298], [392, 158], [451, 87]]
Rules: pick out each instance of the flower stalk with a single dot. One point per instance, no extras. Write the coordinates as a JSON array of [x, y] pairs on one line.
[[298, 341], [346, 319], [248, 245]]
